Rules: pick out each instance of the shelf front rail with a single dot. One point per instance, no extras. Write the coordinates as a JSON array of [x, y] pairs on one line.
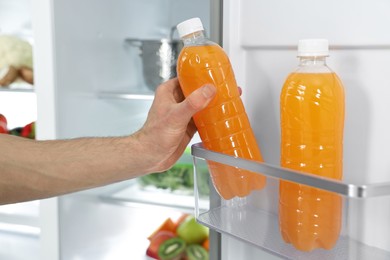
[[328, 184]]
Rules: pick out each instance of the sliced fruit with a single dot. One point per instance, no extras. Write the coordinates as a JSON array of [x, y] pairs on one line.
[[206, 244], [192, 232], [167, 225], [28, 131], [177, 222], [196, 252], [15, 131], [172, 249], [3, 124], [156, 241]]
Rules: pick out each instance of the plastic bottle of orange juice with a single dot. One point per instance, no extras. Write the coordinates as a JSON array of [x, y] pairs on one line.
[[223, 125], [312, 123]]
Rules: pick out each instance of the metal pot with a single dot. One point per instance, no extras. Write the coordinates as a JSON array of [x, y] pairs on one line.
[[159, 59]]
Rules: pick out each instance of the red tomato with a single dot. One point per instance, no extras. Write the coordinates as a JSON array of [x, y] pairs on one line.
[[156, 241], [3, 124]]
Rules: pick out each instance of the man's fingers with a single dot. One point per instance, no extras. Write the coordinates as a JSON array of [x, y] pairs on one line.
[[197, 100]]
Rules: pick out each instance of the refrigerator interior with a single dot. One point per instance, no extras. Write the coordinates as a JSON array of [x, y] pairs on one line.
[[96, 88], [19, 223], [261, 39], [89, 57]]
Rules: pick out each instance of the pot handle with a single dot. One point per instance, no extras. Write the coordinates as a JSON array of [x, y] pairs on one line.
[[134, 42], [172, 32]]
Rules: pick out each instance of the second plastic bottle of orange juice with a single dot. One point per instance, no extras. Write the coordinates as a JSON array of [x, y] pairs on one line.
[[312, 122], [223, 125]]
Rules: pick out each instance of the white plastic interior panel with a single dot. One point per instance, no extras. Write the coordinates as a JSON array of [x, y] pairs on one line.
[[261, 36], [91, 57], [15, 18], [82, 46], [19, 247], [344, 23], [19, 222], [104, 231]]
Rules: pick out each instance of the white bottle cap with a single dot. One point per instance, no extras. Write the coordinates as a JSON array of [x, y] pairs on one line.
[[189, 26], [313, 47]]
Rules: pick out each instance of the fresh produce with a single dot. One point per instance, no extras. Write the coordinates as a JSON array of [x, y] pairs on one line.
[[156, 240], [173, 230], [167, 225], [8, 75], [26, 74], [3, 124], [196, 252], [16, 60], [16, 131], [28, 131], [172, 249], [192, 232], [15, 51], [179, 177], [179, 220], [206, 244]]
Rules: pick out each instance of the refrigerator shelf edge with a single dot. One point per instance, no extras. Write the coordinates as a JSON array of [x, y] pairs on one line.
[[134, 195], [127, 95], [346, 189], [18, 87]]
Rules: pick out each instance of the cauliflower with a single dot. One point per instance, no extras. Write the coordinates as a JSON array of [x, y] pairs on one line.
[[15, 52]]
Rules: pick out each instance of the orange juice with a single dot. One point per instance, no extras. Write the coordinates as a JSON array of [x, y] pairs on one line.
[[223, 125], [312, 121]]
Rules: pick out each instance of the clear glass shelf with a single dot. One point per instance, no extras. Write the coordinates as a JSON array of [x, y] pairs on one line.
[[19, 247], [172, 189], [134, 194], [18, 87], [255, 218], [24, 214]]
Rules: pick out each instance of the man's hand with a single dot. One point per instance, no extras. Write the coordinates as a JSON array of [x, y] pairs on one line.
[[169, 126]]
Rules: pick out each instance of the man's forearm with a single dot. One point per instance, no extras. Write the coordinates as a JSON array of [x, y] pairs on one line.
[[32, 169], [40, 169]]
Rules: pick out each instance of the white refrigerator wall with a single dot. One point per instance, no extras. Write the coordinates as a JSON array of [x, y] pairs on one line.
[[80, 52], [15, 18], [91, 57], [261, 36], [19, 223]]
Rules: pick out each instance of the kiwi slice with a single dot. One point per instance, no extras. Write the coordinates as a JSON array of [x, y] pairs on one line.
[[172, 249], [197, 252]]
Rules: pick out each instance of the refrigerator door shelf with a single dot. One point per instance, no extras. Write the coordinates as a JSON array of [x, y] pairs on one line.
[[349, 190], [254, 219]]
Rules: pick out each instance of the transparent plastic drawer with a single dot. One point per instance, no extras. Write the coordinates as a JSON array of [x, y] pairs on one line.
[[255, 218]]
